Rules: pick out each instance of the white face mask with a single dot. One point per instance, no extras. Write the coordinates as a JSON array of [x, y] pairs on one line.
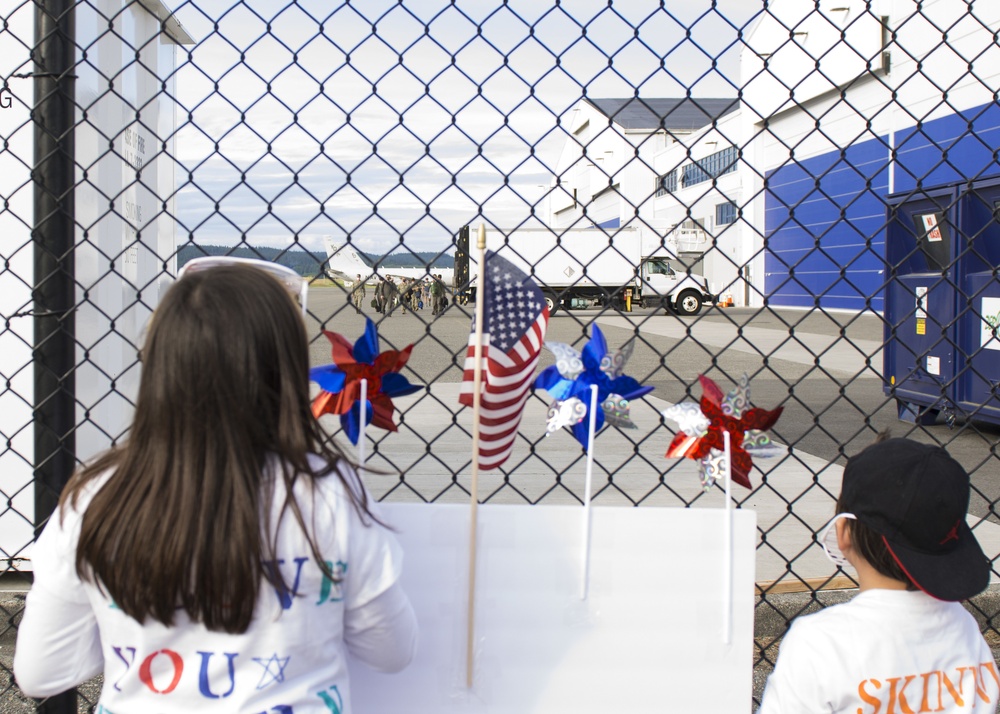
[[828, 539]]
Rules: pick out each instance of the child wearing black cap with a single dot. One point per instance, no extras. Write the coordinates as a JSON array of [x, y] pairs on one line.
[[903, 644]]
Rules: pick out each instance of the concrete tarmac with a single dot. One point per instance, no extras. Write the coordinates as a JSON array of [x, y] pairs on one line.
[[825, 369]]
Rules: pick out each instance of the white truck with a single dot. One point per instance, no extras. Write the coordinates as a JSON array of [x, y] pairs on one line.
[[584, 267]]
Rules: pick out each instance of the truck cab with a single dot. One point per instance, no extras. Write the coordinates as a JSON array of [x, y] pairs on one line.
[[675, 289]]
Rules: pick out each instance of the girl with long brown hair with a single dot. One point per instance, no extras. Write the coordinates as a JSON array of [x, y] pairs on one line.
[[226, 554]]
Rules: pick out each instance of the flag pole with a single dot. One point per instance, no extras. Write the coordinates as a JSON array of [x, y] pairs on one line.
[[727, 558], [364, 422], [477, 381], [587, 489]]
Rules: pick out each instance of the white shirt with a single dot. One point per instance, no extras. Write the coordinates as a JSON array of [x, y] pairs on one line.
[[293, 656], [884, 651]]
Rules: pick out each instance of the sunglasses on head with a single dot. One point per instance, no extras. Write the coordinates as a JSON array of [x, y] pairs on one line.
[[295, 284]]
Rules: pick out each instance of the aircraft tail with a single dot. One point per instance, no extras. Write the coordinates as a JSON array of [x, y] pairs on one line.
[[344, 262]]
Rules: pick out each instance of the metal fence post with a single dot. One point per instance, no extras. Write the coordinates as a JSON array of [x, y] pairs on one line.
[[54, 353]]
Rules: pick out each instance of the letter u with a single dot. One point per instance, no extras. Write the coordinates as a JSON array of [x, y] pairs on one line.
[[203, 680]]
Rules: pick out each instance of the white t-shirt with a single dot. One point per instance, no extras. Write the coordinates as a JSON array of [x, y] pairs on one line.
[[887, 651], [291, 659]]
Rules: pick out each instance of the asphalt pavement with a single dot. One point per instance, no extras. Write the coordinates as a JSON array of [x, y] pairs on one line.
[[823, 368]]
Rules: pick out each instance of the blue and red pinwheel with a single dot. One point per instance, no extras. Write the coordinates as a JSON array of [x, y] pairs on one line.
[[340, 382], [569, 382]]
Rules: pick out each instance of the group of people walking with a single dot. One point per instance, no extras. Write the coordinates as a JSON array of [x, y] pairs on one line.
[[409, 293]]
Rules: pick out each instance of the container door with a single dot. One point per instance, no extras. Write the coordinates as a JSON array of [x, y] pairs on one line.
[[920, 298], [979, 302]]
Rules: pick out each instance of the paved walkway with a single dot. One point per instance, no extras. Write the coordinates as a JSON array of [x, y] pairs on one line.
[[836, 354]]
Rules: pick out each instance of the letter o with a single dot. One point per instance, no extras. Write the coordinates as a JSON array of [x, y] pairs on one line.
[[146, 676]]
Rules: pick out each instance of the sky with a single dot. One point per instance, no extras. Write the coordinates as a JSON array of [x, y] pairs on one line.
[[396, 123]]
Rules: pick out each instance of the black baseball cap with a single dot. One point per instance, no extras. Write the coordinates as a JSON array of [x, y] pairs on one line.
[[916, 497]]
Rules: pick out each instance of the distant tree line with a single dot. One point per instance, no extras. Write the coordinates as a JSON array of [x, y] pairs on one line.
[[406, 259], [305, 262]]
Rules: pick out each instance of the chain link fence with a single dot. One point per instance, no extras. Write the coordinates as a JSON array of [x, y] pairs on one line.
[[804, 192]]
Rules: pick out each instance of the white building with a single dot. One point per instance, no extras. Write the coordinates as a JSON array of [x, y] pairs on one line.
[[849, 102], [699, 203], [125, 233], [842, 104], [607, 169], [667, 164]]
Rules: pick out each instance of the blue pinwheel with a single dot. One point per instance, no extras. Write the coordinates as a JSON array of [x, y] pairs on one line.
[[569, 381], [340, 382]]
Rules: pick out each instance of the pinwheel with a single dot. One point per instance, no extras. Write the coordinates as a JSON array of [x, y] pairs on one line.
[[581, 383], [702, 426], [341, 382], [722, 432], [569, 381]]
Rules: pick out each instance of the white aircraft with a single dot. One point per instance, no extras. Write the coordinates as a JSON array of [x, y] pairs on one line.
[[345, 263]]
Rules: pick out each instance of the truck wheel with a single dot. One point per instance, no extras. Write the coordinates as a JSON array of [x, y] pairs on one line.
[[688, 303], [552, 302]]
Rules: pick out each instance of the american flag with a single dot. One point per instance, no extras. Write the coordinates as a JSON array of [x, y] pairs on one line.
[[515, 317]]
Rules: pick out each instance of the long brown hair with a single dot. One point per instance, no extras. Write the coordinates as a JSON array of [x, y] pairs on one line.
[[224, 386]]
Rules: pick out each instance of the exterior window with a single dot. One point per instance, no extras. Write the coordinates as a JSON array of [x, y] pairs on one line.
[[667, 183], [711, 166], [694, 173], [725, 213]]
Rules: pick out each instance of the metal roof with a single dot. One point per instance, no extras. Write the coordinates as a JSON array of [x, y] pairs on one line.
[[678, 114]]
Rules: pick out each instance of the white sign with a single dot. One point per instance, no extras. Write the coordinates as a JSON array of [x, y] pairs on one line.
[[990, 311], [921, 309], [647, 639], [933, 365], [931, 227]]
